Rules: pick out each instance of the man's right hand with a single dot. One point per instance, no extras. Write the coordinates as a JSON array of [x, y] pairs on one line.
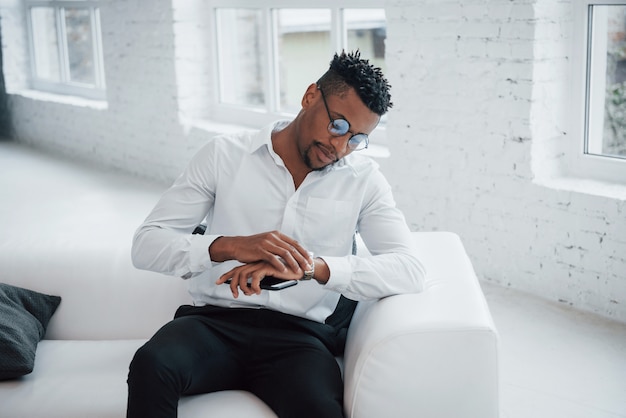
[[274, 247]]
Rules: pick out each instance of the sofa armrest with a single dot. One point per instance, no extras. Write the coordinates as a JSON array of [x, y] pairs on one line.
[[431, 354]]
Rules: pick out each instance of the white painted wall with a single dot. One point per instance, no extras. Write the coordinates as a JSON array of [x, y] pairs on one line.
[[481, 93]]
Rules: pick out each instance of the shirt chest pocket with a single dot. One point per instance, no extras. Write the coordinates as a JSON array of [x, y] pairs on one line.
[[329, 225]]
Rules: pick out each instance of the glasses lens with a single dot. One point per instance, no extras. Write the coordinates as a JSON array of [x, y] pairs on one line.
[[358, 142], [339, 127]]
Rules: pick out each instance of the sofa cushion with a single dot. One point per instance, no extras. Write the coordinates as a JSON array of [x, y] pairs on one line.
[[77, 379], [72, 379], [24, 317]]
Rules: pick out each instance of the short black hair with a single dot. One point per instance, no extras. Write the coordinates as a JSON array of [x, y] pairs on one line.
[[350, 70]]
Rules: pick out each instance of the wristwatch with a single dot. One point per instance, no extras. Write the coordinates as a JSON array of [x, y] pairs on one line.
[[308, 274]]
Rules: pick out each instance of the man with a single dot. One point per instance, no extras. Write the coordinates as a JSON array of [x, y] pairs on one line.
[[283, 202]]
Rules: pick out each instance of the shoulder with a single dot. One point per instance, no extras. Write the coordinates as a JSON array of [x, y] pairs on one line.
[[361, 165], [239, 141], [227, 145]]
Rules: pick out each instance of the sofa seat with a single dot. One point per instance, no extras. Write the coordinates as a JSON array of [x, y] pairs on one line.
[[72, 379], [87, 379]]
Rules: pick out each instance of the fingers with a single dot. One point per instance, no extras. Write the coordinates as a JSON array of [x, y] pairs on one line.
[[274, 247], [269, 253], [294, 255], [246, 278], [240, 281], [255, 283], [277, 261]]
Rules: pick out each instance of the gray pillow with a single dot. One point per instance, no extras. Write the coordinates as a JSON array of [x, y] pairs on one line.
[[24, 317]]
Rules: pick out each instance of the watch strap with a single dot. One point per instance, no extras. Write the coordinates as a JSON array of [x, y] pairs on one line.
[[309, 274]]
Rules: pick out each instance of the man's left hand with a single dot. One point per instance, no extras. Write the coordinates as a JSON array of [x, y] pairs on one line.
[[255, 272]]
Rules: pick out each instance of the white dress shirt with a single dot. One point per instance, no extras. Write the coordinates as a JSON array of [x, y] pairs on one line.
[[238, 185]]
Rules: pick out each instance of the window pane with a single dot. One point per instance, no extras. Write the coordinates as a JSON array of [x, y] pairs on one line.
[[241, 56], [367, 32], [79, 45], [45, 43], [606, 94], [303, 52]]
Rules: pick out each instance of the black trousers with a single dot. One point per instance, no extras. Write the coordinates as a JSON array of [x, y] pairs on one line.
[[288, 362]]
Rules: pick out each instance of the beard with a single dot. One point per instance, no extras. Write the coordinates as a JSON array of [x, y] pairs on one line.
[[309, 163]]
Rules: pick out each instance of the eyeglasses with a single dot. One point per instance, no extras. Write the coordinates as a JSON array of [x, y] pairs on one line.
[[340, 127]]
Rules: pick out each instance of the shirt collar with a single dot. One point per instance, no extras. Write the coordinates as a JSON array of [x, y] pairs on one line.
[[264, 138]]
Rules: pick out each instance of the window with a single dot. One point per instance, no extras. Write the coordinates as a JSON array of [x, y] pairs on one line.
[[268, 55], [606, 81], [601, 49], [65, 47]]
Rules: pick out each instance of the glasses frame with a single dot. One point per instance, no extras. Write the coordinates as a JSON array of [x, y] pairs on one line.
[[356, 140]]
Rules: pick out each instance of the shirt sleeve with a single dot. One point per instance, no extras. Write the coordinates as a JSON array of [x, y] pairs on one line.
[[164, 242], [393, 266]]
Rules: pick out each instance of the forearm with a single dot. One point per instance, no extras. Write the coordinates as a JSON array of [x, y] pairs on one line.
[[277, 249], [391, 266], [363, 278], [221, 249]]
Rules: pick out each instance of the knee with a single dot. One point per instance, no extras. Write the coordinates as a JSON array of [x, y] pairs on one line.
[[152, 387], [149, 362]]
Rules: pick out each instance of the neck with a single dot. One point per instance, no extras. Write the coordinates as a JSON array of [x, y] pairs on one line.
[[285, 145]]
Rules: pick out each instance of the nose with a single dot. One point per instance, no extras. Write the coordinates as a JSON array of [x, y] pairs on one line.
[[340, 143]]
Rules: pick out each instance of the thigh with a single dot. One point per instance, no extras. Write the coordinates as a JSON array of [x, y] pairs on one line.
[[196, 353], [298, 378]]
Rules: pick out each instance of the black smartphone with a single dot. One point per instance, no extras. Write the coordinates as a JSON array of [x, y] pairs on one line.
[[274, 283]]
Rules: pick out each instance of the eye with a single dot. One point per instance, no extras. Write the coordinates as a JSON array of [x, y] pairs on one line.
[[340, 127], [358, 142]]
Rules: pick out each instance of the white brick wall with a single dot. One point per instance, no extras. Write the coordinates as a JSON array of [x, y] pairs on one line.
[[481, 112], [139, 130]]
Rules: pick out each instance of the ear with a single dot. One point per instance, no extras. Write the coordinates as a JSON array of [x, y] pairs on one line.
[[309, 96]]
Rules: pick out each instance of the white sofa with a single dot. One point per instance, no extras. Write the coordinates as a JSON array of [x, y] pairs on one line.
[[66, 230]]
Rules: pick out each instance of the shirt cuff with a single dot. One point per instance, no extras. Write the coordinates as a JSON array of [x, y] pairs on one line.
[[199, 259], [340, 273]]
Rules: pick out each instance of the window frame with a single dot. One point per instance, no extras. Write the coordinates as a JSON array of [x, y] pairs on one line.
[[580, 163], [257, 117], [95, 91]]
